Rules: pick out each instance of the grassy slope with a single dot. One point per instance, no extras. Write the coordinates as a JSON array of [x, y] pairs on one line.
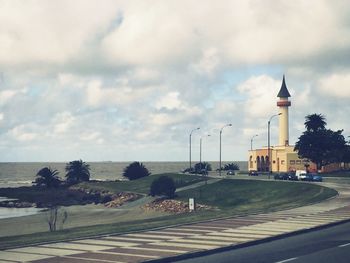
[[237, 196], [141, 185], [232, 197]]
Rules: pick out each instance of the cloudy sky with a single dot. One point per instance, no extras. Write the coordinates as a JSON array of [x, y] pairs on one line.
[[128, 80]]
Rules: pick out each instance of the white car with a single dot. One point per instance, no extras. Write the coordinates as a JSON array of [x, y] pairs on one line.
[[300, 174]]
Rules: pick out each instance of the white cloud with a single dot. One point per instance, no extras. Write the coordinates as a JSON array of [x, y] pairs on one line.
[[22, 133], [51, 32], [261, 91], [6, 95], [63, 121], [170, 101], [144, 73], [208, 62], [336, 85]]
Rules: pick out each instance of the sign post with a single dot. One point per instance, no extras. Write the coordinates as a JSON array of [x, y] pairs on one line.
[[191, 204]]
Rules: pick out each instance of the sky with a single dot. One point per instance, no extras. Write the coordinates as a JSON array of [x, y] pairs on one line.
[[105, 80]]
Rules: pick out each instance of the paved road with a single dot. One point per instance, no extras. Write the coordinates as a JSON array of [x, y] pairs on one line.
[[329, 245], [186, 239]]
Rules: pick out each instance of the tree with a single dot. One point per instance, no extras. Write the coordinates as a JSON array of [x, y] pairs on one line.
[[163, 185], [203, 167], [135, 171], [47, 177], [53, 214], [77, 171], [346, 154], [231, 167], [315, 122], [318, 144]]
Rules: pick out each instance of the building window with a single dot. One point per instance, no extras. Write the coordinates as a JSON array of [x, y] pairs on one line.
[[282, 161], [298, 161], [292, 161]]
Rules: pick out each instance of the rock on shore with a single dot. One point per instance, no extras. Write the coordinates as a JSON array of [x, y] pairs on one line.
[[121, 198], [172, 206]]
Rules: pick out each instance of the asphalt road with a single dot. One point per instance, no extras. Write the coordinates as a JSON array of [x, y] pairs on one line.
[[328, 245]]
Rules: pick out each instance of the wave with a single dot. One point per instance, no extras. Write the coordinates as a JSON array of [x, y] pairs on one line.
[[5, 183]]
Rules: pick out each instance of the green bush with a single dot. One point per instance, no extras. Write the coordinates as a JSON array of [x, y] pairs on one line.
[[135, 171], [163, 185]]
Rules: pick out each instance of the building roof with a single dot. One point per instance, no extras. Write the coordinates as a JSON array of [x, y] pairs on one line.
[[283, 93]]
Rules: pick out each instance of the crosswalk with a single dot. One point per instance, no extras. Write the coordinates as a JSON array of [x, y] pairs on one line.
[[172, 241]]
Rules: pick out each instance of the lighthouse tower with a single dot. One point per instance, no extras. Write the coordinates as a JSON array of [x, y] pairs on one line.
[[283, 103]]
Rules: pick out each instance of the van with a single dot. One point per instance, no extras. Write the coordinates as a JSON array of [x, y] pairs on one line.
[[300, 174]]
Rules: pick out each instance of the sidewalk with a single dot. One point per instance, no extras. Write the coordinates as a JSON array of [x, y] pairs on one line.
[[161, 245]]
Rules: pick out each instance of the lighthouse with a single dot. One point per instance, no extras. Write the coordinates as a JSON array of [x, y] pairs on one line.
[[283, 157], [283, 103]]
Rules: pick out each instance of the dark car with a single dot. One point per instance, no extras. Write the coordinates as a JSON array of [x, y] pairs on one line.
[[253, 173], [281, 176], [307, 177], [230, 172], [316, 178], [292, 177]]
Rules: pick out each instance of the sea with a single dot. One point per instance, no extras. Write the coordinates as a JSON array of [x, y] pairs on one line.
[[16, 174]]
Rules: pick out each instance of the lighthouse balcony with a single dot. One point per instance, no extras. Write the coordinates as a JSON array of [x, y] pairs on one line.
[[283, 103]]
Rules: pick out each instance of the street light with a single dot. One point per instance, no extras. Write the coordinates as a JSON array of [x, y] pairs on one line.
[[251, 141], [268, 142], [200, 149], [190, 146], [227, 125]]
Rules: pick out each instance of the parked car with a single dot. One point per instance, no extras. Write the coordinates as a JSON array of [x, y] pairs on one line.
[[306, 177], [316, 178], [230, 172], [300, 174], [253, 173], [292, 177], [281, 176]]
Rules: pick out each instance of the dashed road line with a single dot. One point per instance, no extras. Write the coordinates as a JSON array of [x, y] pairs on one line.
[[286, 260]]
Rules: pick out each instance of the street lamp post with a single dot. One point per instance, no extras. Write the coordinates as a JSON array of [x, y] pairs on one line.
[[227, 125], [268, 143], [251, 141], [190, 145]]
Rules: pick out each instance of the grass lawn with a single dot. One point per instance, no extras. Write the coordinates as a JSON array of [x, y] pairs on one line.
[[142, 185], [239, 196], [230, 197]]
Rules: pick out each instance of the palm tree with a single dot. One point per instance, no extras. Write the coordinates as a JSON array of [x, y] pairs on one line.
[[315, 122], [77, 171], [47, 177]]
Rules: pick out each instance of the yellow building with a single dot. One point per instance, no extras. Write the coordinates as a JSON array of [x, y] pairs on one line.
[[283, 157]]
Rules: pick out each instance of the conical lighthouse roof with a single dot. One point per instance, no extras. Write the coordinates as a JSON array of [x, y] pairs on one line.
[[283, 93]]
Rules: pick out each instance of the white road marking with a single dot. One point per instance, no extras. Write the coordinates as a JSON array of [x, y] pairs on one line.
[[105, 242], [286, 260], [171, 250], [344, 245]]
